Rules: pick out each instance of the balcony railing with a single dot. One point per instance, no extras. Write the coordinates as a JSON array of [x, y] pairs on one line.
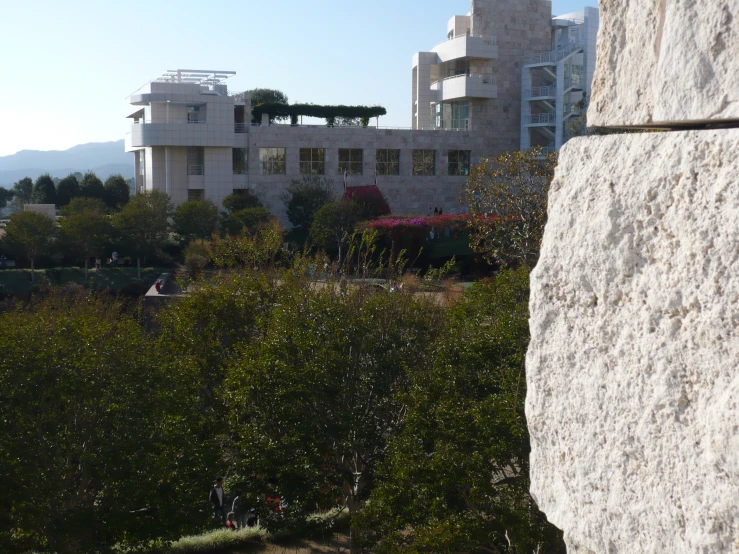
[[554, 56], [170, 122], [486, 79], [239, 127], [538, 92], [487, 40], [548, 117], [195, 170]]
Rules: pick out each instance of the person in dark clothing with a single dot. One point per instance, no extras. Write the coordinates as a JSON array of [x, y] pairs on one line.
[[218, 498]]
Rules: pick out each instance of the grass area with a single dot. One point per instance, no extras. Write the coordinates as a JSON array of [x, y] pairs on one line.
[[219, 541], [18, 281], [318, 525]]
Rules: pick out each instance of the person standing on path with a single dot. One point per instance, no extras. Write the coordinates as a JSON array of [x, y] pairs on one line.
[[218, 498]]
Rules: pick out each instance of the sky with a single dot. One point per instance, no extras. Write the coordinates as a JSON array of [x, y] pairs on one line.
[[67, 67]]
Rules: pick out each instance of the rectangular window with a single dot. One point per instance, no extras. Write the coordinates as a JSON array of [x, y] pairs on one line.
[[460, 116], [312, 161], [388, 161], [424, 162], [459, 162], [195, 160], [195, 194], [193, 114], [239, 161], [351, 160], [272, 161]]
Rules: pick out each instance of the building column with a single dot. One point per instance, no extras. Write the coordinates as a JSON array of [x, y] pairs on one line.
[[559, 128], [167, 168]]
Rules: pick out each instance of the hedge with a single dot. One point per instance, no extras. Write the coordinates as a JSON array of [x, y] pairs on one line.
[[329, 113]]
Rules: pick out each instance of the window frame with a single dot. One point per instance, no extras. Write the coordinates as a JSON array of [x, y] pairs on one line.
[[272, 166], [244, 162], [315, 164], [385, 165], [462, 167], [418, 165], [353, 166], [195, 195]]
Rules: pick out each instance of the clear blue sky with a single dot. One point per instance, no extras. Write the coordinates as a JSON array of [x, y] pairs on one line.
[[68, 66]]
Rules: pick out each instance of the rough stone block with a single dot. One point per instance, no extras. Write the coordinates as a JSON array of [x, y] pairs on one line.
[[633, 366], [666, 62]]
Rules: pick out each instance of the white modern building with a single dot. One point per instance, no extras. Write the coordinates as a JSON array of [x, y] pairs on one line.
[[193, 138], [555, 82]]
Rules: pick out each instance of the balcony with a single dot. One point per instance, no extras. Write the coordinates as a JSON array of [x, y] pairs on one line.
[[459, 87], [546, 119], [541, 93], [182, 133], [467, 46]]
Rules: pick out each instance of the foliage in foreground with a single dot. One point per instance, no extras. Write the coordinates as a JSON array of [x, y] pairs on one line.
[[98, 436], [456, 475], [324, 393]]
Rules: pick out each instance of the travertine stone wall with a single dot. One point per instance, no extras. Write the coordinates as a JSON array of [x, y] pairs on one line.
[[666, 62], [633, 366], [633, 399]]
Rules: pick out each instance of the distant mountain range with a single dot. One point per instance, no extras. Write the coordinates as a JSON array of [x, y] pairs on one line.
[[104, 158]]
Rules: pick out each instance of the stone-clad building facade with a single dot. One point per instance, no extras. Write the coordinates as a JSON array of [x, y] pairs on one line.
[[192, 138]]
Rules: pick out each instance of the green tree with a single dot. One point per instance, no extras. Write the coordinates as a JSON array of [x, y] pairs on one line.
[[333, 225], [83, 204], [456, 478], [312, 391], [507, 198], [29, 235], [91, 186], [116, 191], [267, 96], [5, 196], [248, 218], [195, 219], [23, 190], [44, 191], [304, 197], [100, 421], [241, 200], [85, 230], [67, 189], [143, 224]]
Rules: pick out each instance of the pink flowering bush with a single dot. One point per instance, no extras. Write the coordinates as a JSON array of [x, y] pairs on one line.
[[399, 224]]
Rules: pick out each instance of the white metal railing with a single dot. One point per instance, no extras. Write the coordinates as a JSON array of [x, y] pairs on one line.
[[547, 117], [486, 79], [195, 170], [487, 40], [170, 122], [554, 56], [537, 92], [239, 127]]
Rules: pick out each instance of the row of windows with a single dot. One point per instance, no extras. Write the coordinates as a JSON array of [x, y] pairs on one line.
[[313, 161]]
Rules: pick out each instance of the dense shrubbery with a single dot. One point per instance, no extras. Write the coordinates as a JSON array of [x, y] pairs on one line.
[[289, 387]]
